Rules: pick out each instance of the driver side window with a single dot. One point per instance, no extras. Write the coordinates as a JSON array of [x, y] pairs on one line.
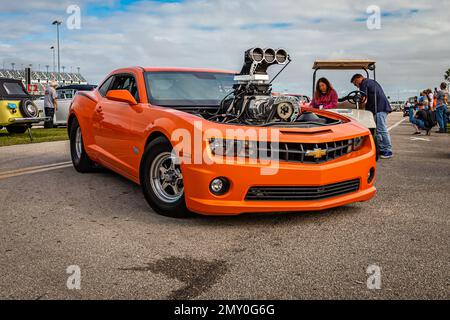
[[125, 82]]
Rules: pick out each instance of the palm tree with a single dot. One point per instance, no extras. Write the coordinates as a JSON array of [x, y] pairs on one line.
[[447, 75]]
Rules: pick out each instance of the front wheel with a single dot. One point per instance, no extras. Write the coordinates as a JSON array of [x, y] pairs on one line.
[[81, 161], [162, 180]]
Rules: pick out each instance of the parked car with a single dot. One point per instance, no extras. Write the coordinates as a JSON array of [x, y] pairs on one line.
[[17, 110], [410, 103], [136, 120], [397, 105], [65, 96]]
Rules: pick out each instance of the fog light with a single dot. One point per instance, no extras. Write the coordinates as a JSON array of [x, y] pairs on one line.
[[219, 186], [371, 175]]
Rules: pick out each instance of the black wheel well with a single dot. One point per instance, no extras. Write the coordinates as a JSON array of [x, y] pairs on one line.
[[69, 123], [154, 135]]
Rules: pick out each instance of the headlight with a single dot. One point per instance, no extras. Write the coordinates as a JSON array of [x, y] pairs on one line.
[[355, 144], [358, 143], [233, 148]]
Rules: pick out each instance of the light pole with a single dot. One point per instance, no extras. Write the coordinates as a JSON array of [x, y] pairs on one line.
[[54, 65], [47, 66], [57, 23]]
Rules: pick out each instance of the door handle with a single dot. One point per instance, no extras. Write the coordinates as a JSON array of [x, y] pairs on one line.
[[99, 109]]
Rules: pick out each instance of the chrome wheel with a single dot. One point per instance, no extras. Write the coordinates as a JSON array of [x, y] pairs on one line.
[[31, 109], [166, 179], [78, 143]]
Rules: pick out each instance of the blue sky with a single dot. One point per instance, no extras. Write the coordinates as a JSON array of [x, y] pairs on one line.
[[409, 47]]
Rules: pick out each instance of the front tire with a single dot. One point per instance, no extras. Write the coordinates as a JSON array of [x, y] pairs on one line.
[[162, 180], [81, 161]]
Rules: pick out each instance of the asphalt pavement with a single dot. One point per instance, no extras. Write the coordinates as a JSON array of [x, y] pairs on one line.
[[52, 217]]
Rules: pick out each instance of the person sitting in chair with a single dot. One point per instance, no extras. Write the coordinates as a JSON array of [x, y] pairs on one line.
[[325, 97]]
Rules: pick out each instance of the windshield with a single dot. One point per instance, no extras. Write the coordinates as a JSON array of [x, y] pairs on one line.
[[174, 89]]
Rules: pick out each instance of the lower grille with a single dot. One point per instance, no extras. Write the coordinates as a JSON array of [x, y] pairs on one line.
[[302, 193]]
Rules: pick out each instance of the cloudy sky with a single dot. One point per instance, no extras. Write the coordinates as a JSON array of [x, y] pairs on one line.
[[412, 47]]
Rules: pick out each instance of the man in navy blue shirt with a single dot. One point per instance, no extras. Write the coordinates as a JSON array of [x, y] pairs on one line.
[[378, 104]]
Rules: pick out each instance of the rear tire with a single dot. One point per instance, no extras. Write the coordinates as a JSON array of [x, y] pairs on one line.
[[161, 178], [81, 161], [17, 129]]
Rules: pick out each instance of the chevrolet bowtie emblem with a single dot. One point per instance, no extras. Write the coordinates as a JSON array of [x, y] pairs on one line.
[[316, 153]]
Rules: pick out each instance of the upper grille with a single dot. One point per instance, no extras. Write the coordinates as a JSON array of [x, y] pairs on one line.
[[302, 193], [297, 152]]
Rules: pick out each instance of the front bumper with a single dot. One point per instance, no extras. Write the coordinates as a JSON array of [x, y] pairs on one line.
[[199, 199]]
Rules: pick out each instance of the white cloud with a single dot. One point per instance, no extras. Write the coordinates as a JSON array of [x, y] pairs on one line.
[[411, 48]]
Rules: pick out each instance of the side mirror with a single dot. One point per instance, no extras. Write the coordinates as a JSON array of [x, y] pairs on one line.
[[121, 96]]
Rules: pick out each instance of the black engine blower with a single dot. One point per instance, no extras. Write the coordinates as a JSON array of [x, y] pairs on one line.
[[253, 102]]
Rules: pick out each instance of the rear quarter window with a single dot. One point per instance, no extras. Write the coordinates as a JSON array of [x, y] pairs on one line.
[[13, 88]]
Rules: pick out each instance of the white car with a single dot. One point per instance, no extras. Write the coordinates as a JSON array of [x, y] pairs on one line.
[[65, 96]]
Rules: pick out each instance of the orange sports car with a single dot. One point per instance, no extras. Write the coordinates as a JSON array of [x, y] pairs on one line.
[[220, 143]]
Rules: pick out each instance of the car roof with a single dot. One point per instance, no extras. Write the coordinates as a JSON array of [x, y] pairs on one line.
[[9, 80], [344, 64], [79, 87], [6, 95], [173, 69]]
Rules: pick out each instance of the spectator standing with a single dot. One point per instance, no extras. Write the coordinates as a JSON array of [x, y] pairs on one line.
[[430, 99], [377, 102], [50, 103], [441, 108]]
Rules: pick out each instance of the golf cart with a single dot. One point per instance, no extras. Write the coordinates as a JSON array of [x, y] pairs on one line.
[[17, 110], [351, 105]]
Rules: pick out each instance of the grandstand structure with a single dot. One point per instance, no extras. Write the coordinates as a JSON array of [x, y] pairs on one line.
[[41, 79]]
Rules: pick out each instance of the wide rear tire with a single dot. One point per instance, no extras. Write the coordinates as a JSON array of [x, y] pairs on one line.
[[81, 161], [162, 181]]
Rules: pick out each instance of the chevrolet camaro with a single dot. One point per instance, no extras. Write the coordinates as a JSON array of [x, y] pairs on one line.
[[220, 143]]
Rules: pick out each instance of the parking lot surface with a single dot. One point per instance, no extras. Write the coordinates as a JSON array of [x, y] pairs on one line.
[[52, 217]]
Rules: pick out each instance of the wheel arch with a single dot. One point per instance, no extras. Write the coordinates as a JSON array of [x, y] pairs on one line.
[[153, 136], [70, 120]]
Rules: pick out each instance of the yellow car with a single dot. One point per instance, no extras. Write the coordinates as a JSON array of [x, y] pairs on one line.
[[17, 110]]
